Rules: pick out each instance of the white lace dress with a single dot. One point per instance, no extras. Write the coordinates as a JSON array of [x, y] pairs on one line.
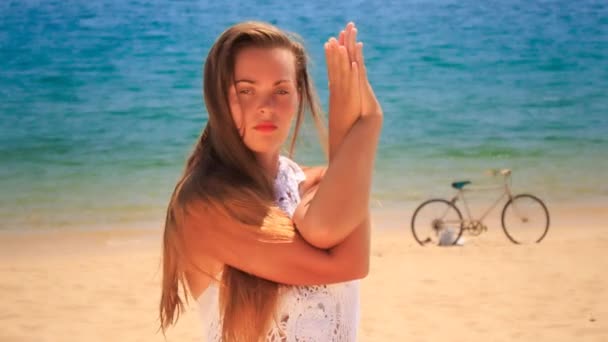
[[317, 313]]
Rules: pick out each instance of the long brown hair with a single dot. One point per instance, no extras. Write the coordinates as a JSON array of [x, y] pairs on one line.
[[223, 172]]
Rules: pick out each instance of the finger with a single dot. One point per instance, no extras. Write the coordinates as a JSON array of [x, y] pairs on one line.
[[344, 60], [346, 34], [359, 48], [333, 42], [335, 57], [361, 61], [355, 82], [352, 51], [341, 37], [328, 58], [349, 26], [331, 59], [347, 38]]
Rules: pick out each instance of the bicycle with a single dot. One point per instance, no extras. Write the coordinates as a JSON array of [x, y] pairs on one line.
[[439, 221]]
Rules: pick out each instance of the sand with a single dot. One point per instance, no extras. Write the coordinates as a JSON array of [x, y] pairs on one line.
[[103, 285]]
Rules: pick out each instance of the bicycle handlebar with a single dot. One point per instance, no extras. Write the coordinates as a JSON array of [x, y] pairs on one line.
[[496, 172]]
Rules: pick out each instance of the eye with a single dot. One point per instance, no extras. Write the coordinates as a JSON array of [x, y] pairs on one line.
[[245, 91], [282, 92]]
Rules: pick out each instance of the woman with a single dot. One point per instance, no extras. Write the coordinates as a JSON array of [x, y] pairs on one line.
[[237, 237]]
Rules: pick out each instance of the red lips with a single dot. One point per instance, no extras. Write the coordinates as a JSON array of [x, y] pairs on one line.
[[265, 127]]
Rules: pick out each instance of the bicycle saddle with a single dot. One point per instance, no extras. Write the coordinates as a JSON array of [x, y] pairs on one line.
[[460, 185]]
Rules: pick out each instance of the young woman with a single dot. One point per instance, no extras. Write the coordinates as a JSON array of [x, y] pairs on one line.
[[271, 252]]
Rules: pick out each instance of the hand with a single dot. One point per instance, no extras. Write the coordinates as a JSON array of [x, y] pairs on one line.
[[369, 102], [343, 75], [348, 39], [344, 88]]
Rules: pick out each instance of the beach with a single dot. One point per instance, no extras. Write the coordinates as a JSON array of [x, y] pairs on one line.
[[104, 285], [101, 103]]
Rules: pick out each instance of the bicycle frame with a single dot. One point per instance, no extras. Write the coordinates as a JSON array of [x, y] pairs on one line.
[[506, 192]]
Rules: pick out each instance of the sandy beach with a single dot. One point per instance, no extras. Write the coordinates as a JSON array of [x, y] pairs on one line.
[[103, 285], [102, 103]]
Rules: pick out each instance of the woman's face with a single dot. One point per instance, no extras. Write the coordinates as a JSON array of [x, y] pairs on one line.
[[265, 97]]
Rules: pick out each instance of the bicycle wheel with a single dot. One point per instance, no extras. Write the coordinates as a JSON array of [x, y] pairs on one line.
[[525, 219], [437, 221]]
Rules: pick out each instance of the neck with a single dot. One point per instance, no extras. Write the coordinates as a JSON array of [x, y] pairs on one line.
[[270, 164]]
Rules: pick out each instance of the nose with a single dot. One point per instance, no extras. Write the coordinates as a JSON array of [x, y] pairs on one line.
[[266, 105]]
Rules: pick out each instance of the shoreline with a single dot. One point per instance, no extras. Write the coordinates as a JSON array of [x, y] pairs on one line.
[[590, 212], [99, 285], [576, 221]]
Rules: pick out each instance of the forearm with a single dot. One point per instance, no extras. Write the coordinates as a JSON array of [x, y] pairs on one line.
[[354, 252], [211, 236], [349, 260], [339, 125], [341, 201]]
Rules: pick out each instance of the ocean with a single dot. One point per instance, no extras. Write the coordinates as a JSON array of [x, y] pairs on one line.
[[100, 101]]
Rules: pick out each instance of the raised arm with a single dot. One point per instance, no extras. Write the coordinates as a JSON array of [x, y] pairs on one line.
[[339, 204], [344, 88]]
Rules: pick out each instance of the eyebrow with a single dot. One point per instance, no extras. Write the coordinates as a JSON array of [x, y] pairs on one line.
[[254, 82]]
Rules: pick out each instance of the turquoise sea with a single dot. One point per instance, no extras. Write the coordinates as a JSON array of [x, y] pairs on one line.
[[100, 101]]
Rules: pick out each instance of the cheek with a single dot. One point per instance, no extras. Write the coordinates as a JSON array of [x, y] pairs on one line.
[[289, 107]]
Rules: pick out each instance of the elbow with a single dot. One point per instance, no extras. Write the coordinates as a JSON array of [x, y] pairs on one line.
[[363, 269], [326, 234], [314, 232], [320, 237]]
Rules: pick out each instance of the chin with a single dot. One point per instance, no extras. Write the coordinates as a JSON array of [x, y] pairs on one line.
[[264, 146], [264, 149]]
